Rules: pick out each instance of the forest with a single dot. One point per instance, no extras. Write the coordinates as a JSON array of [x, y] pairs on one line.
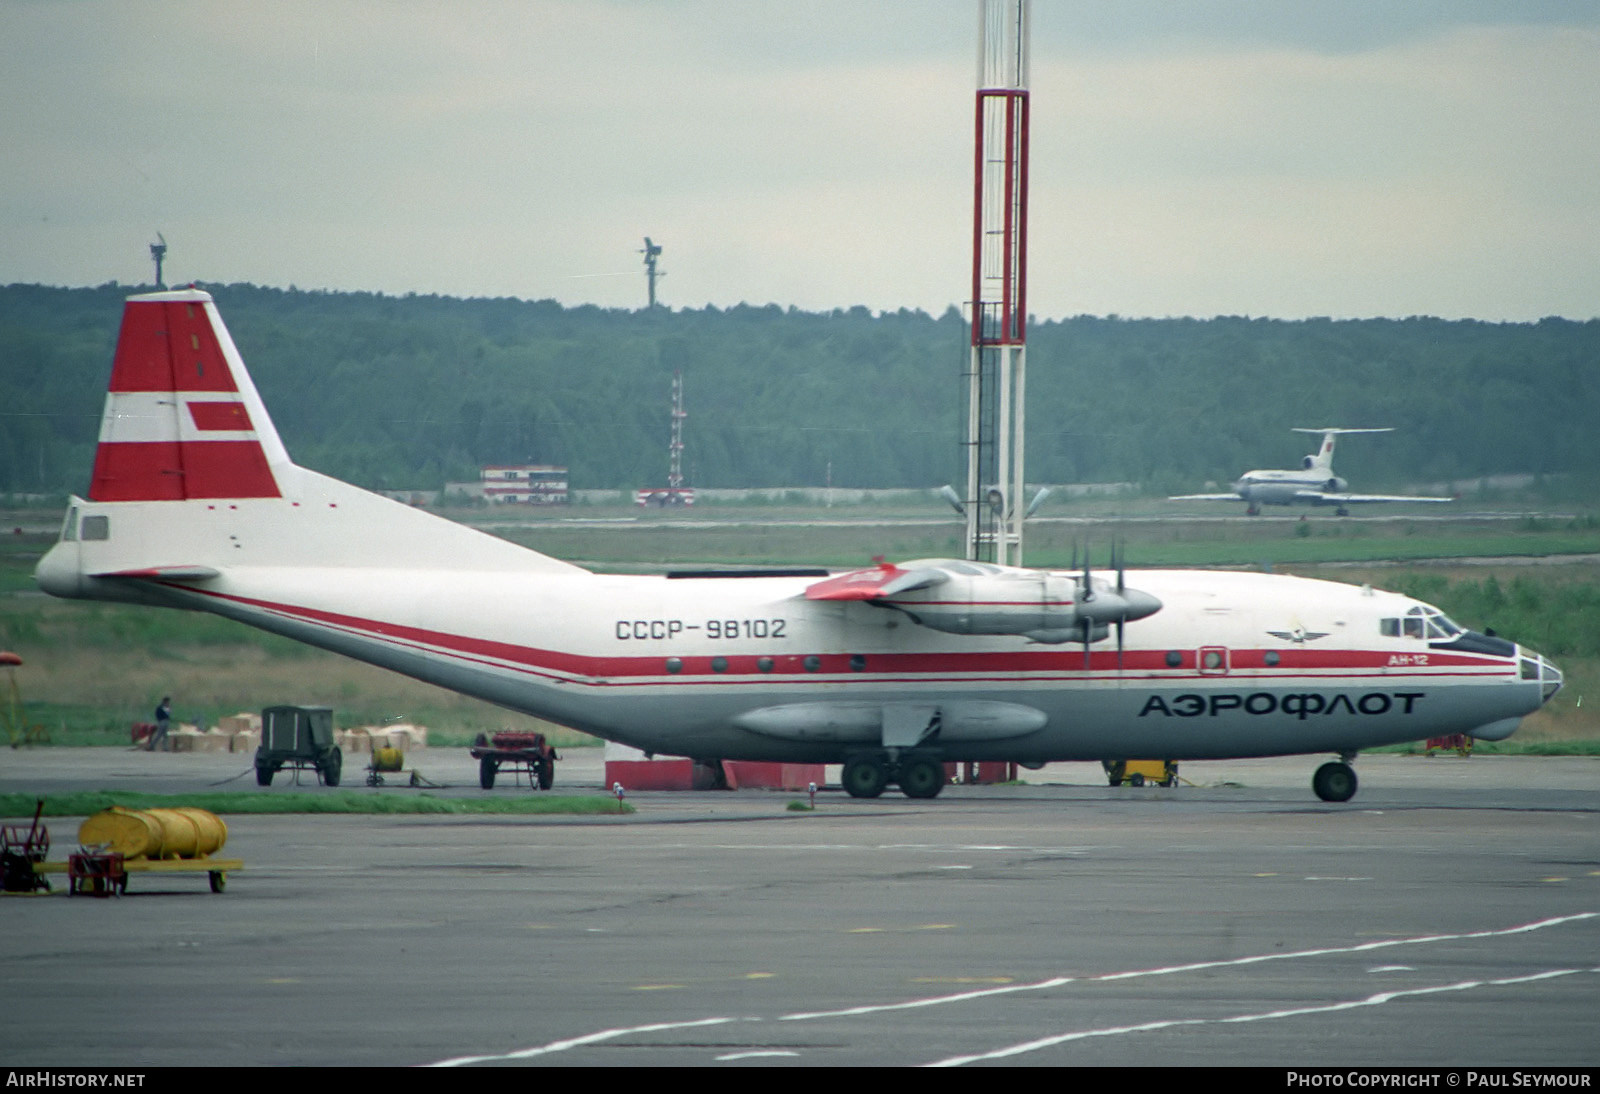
[[414, 391]]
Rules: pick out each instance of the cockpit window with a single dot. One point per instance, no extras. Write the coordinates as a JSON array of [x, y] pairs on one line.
[[97, 527], [1421, 622]]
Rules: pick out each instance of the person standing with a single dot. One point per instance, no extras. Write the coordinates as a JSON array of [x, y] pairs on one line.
[[158, 739]]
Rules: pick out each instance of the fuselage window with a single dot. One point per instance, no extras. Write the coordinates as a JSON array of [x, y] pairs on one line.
[[98, 527], [1389, 628]]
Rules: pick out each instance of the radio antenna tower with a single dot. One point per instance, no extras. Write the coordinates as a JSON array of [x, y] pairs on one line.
[[651, 252], [997, 373], [158, 251], [675, 465]]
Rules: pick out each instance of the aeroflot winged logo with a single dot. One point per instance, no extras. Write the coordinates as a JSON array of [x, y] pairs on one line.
[[1299, 636]]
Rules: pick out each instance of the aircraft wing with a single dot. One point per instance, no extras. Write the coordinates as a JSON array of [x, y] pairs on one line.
[[1205, 497], [1317, 497], [883, 580]]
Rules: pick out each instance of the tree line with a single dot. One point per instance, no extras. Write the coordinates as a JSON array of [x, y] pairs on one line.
[[410, 392]]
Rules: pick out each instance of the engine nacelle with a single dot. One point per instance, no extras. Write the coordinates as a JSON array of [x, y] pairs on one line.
[[1037, 604]]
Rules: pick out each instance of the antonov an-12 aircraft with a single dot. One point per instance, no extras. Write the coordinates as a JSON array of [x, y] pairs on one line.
[[1314, 483], [891, 670]]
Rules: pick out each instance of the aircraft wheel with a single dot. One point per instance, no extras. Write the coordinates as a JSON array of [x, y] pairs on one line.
[[921, 778], [864, 778], [1335, 782]]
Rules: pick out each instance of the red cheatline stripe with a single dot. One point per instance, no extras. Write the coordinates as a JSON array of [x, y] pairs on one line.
[[919, 668]]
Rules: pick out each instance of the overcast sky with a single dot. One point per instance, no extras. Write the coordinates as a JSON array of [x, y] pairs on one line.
[[1254, 157]]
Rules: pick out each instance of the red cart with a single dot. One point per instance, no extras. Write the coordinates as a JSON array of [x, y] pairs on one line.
[[524, 753]]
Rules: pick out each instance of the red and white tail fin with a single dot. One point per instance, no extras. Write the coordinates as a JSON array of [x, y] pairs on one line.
[[182, 418], [192, 483]]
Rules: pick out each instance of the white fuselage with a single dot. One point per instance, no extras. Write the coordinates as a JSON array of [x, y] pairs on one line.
[[1233, 664], [1288, 487]]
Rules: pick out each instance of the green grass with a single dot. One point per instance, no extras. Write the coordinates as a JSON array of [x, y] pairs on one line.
[[83, 803]]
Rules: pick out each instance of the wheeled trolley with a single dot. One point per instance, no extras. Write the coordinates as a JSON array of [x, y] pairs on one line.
[[524, 753], [105, 873]]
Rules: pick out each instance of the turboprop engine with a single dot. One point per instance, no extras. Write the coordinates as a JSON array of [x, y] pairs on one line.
[[979, 598]]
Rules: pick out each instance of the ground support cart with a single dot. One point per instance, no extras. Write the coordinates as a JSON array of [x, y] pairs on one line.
[[299, 738], [524, 753], [21, 851], [103, 873], [1140, 772]]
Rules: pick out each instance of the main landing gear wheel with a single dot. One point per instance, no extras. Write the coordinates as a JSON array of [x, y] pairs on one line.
[[864, 778], [921, 778], [1335, 782]]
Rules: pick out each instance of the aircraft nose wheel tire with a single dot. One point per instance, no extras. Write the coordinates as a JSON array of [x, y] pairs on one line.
[[864, 778], [1335, 782]]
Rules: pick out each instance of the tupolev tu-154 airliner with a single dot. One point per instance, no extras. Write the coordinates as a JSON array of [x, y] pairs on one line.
[[891, 670], [1312, 483]]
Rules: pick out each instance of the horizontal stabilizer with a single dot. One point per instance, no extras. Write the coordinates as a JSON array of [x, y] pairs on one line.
[[1360, 499], [165, 573]]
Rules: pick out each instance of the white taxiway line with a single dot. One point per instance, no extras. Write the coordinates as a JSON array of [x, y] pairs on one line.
[[1266, 1016], [1057, 981]]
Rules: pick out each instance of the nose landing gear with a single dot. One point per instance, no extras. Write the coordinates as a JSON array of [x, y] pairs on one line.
[[1336, 781]]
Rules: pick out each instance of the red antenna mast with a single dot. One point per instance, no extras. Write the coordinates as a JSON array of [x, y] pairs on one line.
[[996, 377]]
